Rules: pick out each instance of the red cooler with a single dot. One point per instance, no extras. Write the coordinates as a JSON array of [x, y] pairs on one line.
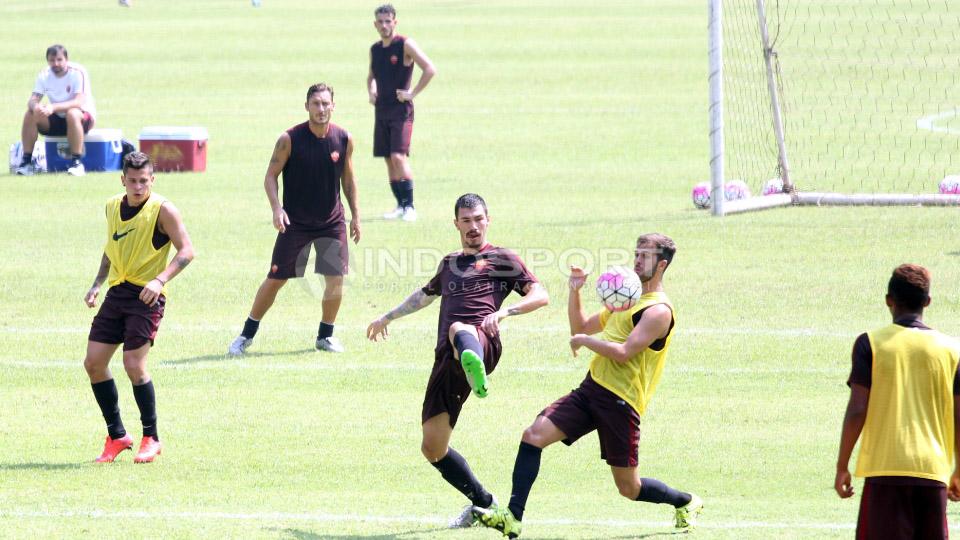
[[175, 148]]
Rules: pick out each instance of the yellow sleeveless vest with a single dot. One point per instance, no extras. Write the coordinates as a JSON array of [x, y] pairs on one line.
[[909, 425], [636, 379], [130, 243]]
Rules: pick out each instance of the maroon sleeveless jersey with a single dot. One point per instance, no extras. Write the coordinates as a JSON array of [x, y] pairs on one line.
[[389, 71], [311, 177]]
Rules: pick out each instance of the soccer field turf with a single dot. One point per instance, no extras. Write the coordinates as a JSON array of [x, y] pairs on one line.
[[582, 125]]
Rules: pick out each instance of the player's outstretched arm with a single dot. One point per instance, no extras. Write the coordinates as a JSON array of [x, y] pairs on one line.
[[415, 302], [580, 322], [271, 181], [653, 325], [171, 224], [853, 421], [535, 296], [91, 297], [371, 83], [350, 191], [427, 70]]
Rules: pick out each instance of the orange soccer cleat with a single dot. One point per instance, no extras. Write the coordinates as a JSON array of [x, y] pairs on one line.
[[149, 450], [112, 448]]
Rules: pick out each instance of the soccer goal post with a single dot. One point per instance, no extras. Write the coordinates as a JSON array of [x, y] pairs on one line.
[[834, 102]]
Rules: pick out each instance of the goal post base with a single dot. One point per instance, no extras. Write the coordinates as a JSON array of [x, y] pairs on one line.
[[751, 204]]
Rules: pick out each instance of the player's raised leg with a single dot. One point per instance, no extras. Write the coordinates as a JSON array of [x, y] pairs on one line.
[[687, 506], [135, 364], [466, 345], [262, 302], [104, 388]]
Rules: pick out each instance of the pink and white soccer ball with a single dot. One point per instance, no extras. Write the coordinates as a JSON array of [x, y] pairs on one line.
[[950, 185], [701, 195], [773, 186], [735, 190], [619, 288]]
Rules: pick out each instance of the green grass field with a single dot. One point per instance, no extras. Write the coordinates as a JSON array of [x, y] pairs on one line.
[[583, 125]]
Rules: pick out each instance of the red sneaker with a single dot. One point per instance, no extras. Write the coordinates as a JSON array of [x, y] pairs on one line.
[[149, 450], [112, 448]]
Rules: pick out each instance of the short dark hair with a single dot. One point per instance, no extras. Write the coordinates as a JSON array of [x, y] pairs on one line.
[[136, 160], [666, 247], [317, 88], [56, 49], [469, 200], [909, 286], [386, 8]]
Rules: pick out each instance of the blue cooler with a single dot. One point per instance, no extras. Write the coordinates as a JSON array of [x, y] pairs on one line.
[[102, 149]]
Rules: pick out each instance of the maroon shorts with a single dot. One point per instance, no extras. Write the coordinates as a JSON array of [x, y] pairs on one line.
[[902, 510], [124, 318], [593, 407], [58, 125], [292, 250], [448, 389], [392, 131]]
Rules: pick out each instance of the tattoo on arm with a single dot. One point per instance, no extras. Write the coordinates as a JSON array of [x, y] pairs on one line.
[[277, 149], [102, 272], [413, 303], [181, 262], [511, 311]]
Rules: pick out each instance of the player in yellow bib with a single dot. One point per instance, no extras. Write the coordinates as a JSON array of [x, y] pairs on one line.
[[904, 391], [141, 227], [628, 359]]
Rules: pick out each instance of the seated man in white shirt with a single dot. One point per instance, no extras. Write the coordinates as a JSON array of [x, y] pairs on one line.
[[70, 109]]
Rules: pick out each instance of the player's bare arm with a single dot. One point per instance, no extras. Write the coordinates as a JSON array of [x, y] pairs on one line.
[[427, 70], [171, 224], [371, 83], [653, 325], [953, 490], [271, 181], [580, 322], [853, 421], [91, 297], [34, 101], [76, 103], [415, 302], [534, 297], [350, 191]]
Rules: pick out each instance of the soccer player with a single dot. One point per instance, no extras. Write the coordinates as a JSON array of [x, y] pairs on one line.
[[141, 227], [70, 110], [473, 284], [316, 159], [628, 359], [388, 83], [904, 393]]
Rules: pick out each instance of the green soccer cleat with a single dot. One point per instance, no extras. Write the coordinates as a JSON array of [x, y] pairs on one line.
[[500, 519], [476, 372], [686, 516]]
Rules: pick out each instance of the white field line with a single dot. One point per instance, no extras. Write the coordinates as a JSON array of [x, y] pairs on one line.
[[929, 122], [214, 329], [419, 520], [254, 364]]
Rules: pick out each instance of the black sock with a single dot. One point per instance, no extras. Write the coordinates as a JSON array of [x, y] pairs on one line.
[[395, 188], [250, 328], [75, 158], [109, 402], [147, 402], [525, 471], [655, 491], [464, 340], [457, 473], [325, 330], [405, 189], [27, 158]]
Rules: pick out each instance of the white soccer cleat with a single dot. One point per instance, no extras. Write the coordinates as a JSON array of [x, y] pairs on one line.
[[27, 169], [239, 346], [396, 213], [77, 170], [409, 214], [465, 520], [330, 344], [124, 3]]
